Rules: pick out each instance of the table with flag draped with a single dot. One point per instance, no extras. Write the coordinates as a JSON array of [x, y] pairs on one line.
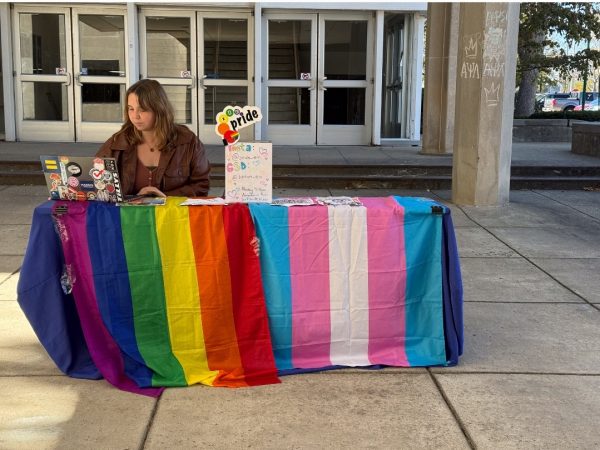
[[156, 296]]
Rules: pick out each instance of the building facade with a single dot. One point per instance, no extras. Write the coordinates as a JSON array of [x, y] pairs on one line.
[[325, 73]]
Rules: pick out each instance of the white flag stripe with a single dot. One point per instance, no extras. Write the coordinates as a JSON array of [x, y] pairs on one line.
[[348, 285]]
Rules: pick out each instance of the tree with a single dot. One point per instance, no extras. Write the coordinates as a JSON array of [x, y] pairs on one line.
[[541, 25]]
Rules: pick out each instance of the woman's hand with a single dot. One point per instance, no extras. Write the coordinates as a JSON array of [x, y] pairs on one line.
[[151, 191]]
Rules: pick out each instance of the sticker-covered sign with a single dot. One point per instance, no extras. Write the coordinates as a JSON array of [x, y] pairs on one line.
[[234, 118], [248, 172]]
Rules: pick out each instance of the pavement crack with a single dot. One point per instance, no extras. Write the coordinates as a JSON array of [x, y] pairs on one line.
[[596, 307], [595, 219], [453, 410], [142, 445]]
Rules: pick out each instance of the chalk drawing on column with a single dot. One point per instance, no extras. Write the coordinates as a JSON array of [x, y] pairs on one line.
[[470, 65], [494, 56], [492, 94], [496, 18]]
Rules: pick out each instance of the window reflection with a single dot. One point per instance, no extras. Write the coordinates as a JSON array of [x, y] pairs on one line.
[[102, 45], [216, 98], [168, 46], [345, 50], [289, 48], [44, 101], [102, 102], [226, 48], [289, 106], [42, 42], [181, 99], [344, 106]]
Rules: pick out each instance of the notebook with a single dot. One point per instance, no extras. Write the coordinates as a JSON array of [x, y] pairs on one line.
[[82, 178]]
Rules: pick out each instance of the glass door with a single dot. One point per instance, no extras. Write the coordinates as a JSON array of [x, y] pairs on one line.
[[393, 110], [225, 69], [345, 79], [168, 55], [291, 73], [100, 56], [70, 72], [319, 78], [43, 74]]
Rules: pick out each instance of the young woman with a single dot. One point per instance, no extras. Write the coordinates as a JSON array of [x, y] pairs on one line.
[[155, 156]]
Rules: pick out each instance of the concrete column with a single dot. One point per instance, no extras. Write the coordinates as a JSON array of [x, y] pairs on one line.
[[440, 78], [485, 89]]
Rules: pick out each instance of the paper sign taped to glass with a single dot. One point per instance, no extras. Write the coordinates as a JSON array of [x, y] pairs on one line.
[[248, 172]]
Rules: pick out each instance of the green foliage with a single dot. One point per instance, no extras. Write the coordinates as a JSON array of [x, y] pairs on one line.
[[544, 30], [589, 116], [540, 23]]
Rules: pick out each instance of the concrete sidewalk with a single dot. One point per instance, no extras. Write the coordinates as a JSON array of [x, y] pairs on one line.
[[523, 154], [529, 378]]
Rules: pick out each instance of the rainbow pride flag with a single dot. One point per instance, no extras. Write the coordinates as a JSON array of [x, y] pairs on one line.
[[168, 295], [354, 285], [149, 297]]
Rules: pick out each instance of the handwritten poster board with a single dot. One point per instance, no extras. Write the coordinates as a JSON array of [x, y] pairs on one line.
[[248, 172]]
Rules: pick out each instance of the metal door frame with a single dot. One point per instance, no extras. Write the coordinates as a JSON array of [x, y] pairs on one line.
[[206, 132], [345, 134], [40, 130], [291, 134], [190, 82]]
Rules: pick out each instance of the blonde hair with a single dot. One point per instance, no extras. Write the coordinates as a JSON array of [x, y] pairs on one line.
[[151, 97]]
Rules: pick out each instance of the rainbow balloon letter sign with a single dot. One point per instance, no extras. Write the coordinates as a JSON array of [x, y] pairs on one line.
[[234, 118]]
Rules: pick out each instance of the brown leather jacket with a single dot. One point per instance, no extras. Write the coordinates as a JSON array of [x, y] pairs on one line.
[[183, 168]]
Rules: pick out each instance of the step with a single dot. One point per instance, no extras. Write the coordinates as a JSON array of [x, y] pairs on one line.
[[368, 176], [566, 183], [363, 170]]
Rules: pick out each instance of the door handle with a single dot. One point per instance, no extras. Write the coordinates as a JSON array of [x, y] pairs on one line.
[[323, 88], [77, 77], [202, 81], [312, 84], [68, 82], [192, 85]]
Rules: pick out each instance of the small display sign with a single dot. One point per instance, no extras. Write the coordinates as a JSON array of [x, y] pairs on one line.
[[248, 172], [234, 118]]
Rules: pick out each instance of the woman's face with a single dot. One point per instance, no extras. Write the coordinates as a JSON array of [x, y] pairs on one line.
[[142, 119]]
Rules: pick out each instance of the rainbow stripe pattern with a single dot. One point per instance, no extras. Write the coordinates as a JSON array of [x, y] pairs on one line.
[[154, 294], [353, 285]]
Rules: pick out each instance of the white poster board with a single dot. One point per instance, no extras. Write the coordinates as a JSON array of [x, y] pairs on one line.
[[248, 172]]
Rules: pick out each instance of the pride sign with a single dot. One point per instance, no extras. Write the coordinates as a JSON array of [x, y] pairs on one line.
[[234, 118]]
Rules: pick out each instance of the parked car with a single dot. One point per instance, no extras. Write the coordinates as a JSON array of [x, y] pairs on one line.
[[539, 102], [590, 96], [560, 101], [594, 105]]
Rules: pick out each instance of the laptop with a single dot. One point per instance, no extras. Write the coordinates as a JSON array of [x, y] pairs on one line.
[[82, 178]]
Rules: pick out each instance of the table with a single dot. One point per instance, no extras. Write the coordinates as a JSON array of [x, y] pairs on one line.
[[156, 296]]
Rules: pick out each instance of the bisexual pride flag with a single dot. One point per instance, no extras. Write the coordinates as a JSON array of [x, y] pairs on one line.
[[168, 295], [354, 285]]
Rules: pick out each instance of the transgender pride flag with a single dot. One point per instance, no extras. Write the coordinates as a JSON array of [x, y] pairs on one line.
[[150, 297], [353, 285]]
